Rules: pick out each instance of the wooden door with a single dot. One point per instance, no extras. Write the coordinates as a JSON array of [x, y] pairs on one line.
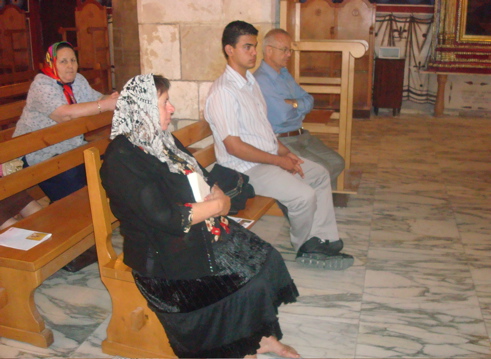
[[55, 14], [15, 54], [93, 39], [92, 36]]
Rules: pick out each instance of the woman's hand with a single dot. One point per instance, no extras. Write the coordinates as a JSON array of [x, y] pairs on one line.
[[221, 198], [108, 103], [215, 204], [69, 112]]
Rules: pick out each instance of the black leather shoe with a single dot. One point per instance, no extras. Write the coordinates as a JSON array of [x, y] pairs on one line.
[[316, 246], [316, 253], [336, 247], [338, 261]]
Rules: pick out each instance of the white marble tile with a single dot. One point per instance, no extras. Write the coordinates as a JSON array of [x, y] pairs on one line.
[[91, 347], [405, 339], [319, 337]]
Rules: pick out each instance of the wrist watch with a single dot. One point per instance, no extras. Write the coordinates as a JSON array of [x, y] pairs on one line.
[[295, 104]]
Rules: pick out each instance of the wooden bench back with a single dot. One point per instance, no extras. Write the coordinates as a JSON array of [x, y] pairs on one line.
[[192, 134], [102, 216], [16, 77], [6, 134], [22, 145], [34, 141], [17, 89], [10, 112]]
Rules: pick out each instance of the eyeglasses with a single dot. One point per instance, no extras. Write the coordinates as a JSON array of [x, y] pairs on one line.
[[284, 50]]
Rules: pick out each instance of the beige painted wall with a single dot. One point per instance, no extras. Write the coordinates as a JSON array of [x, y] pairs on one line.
[[182, 41]]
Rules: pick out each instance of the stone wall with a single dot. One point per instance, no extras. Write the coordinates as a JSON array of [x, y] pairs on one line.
[[182, 41], [126, 44]]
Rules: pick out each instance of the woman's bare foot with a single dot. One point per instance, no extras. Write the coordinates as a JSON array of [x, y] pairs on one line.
[[250, 356], [273, 345]]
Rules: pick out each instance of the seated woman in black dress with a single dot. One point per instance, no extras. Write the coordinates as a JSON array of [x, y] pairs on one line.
[[214, 285]]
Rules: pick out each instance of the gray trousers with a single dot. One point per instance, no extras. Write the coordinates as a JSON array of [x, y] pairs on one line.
[[312, 148], [309, 200]]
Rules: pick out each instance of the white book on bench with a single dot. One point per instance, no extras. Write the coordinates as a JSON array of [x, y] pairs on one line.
[[200, 188], [23, 239]]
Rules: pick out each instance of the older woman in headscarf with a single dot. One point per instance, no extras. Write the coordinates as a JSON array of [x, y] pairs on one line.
[[56, 95], [214, 285]]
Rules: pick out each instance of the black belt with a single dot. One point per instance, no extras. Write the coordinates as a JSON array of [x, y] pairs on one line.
[[291, 133]]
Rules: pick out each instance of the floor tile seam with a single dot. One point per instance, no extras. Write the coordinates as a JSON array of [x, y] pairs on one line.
[[372, 206], [482, 305], [440, 158]]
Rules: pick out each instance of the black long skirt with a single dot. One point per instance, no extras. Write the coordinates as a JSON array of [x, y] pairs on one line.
[[224, 315]]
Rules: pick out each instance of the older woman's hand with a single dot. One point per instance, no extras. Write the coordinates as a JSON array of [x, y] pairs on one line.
[[108, 103]]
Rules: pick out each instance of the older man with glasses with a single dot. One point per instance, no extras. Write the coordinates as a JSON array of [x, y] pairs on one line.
[[288, 104]]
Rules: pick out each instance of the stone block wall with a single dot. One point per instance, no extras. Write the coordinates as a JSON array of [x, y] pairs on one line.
[[182, 41], [126, 43]]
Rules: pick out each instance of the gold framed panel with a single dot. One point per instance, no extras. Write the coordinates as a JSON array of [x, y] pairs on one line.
[[473, 25]]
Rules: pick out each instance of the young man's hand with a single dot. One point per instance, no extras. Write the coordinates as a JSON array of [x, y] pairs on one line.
[[291, 163]]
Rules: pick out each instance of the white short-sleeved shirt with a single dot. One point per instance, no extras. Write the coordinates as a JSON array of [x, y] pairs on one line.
[[236, 107], [46, 95]]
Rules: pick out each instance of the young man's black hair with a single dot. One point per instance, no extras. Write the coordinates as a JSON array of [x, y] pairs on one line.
[[233, 31]]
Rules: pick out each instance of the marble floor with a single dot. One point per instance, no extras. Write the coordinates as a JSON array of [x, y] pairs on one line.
[[419, 229]]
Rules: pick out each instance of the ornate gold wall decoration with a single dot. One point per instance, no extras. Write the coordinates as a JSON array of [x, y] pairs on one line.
[[463, 37]]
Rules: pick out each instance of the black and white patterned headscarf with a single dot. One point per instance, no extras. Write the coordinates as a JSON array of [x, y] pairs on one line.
[[137, 117]]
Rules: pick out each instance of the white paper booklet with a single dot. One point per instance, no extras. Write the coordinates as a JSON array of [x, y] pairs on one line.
[[23, 239], [200, 188], [246, 223]]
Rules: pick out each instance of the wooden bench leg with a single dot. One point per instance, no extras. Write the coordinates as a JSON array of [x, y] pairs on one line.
[[134, 331], [19, 317]]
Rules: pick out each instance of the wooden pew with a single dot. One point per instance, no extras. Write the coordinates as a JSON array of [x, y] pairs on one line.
[[15, 90], [68, 219], [16, 77], [13, 94], [97, 78], [10, 113], [6, 134], [134, 330]]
